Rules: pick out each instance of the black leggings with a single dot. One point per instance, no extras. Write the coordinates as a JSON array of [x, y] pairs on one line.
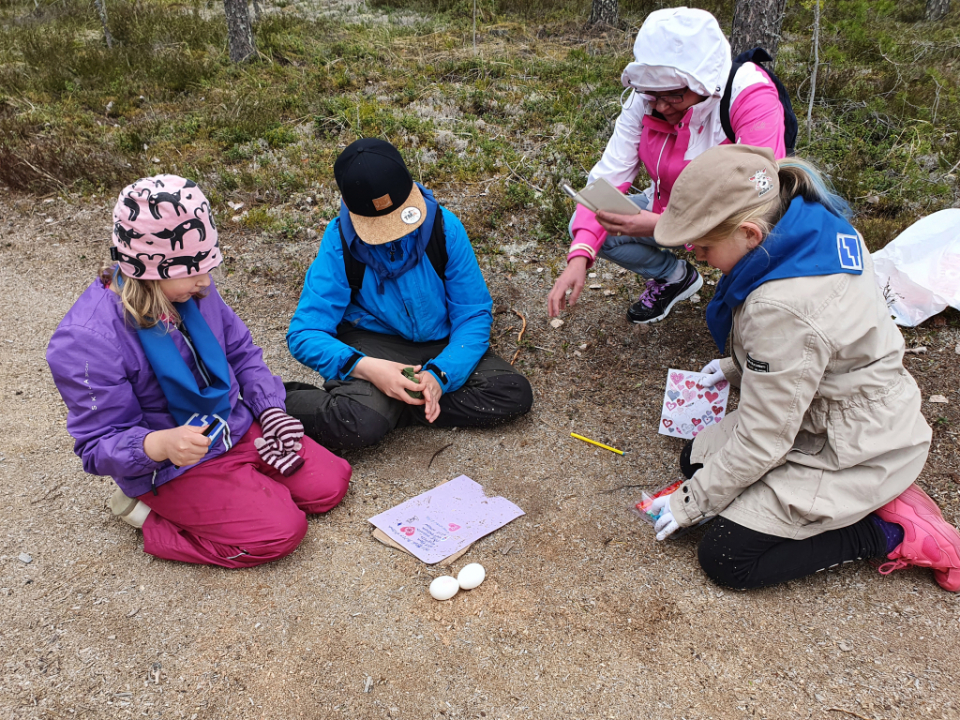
[[741, 558]]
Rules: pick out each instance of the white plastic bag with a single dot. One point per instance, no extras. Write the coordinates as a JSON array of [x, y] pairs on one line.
[[919, 271]]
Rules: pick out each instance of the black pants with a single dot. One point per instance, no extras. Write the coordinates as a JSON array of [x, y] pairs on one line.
[[741, 558], [353, 413]]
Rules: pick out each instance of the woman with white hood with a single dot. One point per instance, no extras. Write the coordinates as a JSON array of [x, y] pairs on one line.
[[671, 114]]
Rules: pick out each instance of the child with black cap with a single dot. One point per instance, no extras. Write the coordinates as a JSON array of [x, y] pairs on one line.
[[395, 284]]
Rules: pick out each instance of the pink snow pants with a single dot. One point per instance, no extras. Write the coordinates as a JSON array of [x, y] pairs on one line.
[[236, 511]]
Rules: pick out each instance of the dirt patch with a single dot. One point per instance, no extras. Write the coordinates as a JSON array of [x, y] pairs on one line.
[[583, 614]]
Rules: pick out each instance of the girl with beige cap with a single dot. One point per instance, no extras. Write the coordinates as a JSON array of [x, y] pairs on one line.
[[817, 466]]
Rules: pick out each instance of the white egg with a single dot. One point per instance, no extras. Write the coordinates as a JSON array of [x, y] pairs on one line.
[[471, 576], [444, 587]]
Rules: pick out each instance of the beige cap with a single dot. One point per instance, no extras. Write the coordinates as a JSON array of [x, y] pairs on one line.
[[716, 185], [401, 222]]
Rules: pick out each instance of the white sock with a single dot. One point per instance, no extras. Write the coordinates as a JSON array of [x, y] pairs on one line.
[[678, 272], [137, 516]]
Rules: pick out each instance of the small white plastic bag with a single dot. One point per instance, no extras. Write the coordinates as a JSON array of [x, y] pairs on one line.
[[919, 271]]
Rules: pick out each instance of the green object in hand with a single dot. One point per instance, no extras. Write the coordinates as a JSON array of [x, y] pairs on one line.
[[410, 375]]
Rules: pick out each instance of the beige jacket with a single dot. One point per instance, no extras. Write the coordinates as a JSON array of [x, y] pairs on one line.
[[828, 428]]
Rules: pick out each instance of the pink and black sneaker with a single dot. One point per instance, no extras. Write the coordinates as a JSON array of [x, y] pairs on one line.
[[928, 539]]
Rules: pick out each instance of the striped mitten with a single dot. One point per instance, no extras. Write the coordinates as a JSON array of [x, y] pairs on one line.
[[287, 430], [274, 454]]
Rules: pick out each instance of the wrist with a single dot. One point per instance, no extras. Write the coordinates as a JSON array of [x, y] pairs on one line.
[[154, 446]]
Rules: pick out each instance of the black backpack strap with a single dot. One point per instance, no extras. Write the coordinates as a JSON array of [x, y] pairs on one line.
[[353, 267], [436, 249], [790, 124]]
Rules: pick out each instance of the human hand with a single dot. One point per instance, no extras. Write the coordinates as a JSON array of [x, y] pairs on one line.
[[287, 430], [182, 445], [639, 225], [573, 279], [665, 525], [431, 393], [389, 379], [713, 372]]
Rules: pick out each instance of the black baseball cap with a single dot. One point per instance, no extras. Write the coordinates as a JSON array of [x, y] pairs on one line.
[[375, 184]]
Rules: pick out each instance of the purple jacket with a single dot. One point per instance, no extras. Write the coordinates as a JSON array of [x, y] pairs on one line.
[[114, 400]]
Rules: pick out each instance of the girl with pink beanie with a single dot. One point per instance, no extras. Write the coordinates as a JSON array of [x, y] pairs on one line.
[[167, 394]]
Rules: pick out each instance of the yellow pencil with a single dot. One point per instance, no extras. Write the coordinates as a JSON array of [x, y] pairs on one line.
[[598, 444]]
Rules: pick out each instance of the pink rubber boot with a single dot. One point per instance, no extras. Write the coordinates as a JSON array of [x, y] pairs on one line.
[[928, 539]]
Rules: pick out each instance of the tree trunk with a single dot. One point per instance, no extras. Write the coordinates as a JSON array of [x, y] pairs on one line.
[[102, 11], [756, 23], [239, 32], [936, 9], [605, 12]]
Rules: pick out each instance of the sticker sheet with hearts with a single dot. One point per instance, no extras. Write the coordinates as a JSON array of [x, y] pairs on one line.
[[440, 522], [688, 406]]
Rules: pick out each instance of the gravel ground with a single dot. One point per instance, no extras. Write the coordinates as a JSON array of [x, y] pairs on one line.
[[583, 614]]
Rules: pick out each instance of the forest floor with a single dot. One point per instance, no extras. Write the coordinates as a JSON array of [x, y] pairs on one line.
[[583, 615]]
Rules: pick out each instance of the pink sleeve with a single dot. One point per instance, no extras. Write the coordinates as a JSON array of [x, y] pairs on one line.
[[588, 234], [757, 118]]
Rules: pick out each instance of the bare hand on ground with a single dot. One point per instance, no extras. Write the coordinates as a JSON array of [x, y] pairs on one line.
[[388, 377], [571, 279], [640, 225], [182, 445], [431, 394]]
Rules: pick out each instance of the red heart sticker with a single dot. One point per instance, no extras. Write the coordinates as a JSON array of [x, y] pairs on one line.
[[680, 401], [711, 396], [717, 410], [690, 383], [667, 422], [453, 527], [696, 421], [408, 531]]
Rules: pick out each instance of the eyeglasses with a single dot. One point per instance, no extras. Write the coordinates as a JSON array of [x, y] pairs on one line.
[[673, 98]]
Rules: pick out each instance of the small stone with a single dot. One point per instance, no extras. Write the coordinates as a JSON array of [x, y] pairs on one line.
[[938, 399], [368, 685], [556, 323], [596, 286], [24, 558], [48, 220], [583, 346], [695, 298], [592, 275], [539, 270], [921, 350], [577, 353], [311, 234], [845, 646], [155, 161], [819, 697], [608, 293], [957, 349], [235, 205]]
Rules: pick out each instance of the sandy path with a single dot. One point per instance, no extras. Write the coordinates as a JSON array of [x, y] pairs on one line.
[[583, 615]]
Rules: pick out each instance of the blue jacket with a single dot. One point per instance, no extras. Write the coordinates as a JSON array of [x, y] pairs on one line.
[[417, 306]]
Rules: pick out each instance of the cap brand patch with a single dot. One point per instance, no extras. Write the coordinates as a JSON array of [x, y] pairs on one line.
[[762, 181], [410, 215], [382, 203]]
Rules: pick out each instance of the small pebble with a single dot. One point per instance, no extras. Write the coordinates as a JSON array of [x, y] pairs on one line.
[[596, 286], [695, 298], [845, 646], [938, 399], [24, 558], [957, 349], [608, 293], [556, 322]]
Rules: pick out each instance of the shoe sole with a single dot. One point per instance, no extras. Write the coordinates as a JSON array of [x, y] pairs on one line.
[[679, 298], [947, 537]]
